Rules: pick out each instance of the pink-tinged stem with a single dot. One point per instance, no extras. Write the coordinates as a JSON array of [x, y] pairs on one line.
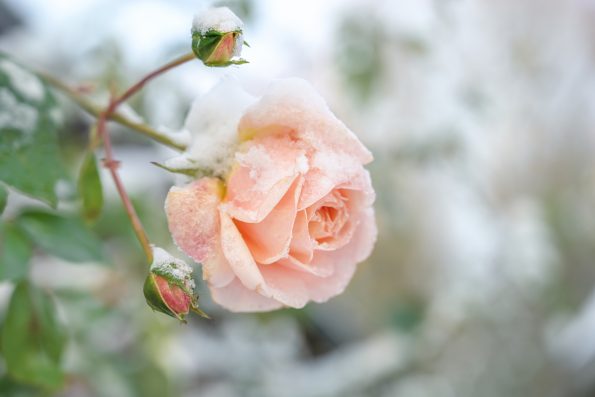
[[112, 165]]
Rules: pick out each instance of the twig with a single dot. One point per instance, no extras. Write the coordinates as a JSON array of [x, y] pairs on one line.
[[112, 165], [96, 110]]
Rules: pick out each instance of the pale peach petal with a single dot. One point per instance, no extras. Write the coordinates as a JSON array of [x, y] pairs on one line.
[[193, 217], [269, 239], [294, 105], [301, 247], [361, 183], [238, 255], [216, 269], [348, 203], [265, 169], [284, 286], [294, 287], [344, 259], [328, 171], [323, 269], [237, 298]]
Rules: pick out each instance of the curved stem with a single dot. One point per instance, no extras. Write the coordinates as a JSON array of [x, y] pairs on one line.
[[112, 165], [110, 113], [95, 110], [141, 83]]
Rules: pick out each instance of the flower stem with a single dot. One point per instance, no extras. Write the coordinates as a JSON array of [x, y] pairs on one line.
[[112, 165], [141, 83], [95, 110]]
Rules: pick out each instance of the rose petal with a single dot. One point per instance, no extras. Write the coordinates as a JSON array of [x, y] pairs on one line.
[[330, 170], [284, 286], [193, 218], [216, 269], [324, 269], [269, 239], [238, 255], [301, 247], [237, 298], [265, 170], [345, 260], [294, 105]]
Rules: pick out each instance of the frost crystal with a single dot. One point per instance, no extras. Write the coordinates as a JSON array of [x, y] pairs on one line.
[[23, 81], [219, 19], [173, 269]]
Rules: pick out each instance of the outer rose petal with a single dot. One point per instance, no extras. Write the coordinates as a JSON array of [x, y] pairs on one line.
[[216, 269], [294, 105], [192, 216], [237, 298], [238, 255]]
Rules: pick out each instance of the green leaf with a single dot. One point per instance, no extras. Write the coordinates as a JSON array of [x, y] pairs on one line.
[[63, 236], [90, 189], [15, 253], [29, 154], [32, 338], [9, 387], [3, 198]]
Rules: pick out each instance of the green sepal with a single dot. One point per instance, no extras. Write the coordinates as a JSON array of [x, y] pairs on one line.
[[197, 310], [203, 45], [193, 172], [240, 61]]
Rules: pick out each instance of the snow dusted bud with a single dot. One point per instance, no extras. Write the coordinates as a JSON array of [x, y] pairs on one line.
[[169, 287], [217, 37]]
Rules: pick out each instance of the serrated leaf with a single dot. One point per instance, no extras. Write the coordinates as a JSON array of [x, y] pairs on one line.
[[3, 198], [15, 252], [32, 338], [29, 154], [63, 236], [89, 187]]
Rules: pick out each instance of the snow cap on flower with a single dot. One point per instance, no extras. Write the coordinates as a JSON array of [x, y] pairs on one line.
[[217, 37], [169, 287]]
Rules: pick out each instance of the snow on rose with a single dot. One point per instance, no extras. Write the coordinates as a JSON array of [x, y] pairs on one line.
[[287, 214]]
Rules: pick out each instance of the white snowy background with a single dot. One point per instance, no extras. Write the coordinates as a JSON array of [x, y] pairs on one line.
[[481, 117]]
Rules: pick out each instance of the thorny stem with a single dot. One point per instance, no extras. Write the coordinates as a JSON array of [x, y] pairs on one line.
[[112, 165]]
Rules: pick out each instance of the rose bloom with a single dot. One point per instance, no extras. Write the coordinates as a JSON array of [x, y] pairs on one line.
[[291, 215]]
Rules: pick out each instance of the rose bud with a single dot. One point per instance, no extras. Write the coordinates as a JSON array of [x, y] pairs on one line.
[[217, 37], [169, 287]]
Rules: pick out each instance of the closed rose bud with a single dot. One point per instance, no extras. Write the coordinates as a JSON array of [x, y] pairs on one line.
[[169, 287], [217, 37]]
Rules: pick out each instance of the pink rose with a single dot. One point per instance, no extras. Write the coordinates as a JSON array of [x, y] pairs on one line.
[[292, 217]]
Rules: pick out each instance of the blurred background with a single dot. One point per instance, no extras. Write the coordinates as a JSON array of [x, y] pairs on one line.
[[481, 118]]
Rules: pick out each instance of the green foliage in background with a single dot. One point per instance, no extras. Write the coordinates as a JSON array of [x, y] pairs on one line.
[[29, 155]]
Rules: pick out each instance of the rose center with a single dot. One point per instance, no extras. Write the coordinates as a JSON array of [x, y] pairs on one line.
[[328, 219]]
